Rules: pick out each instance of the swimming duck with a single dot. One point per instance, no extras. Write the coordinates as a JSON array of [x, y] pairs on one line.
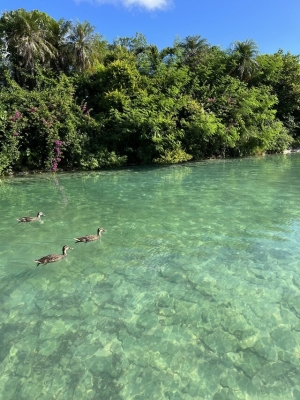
[[90, 238], [30, 219], [53, 257]]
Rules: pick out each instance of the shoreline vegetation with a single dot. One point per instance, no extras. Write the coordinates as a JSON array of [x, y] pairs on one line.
[[69, 100], [32, 172]]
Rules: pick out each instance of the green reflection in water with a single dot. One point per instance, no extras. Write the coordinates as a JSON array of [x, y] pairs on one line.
[[193, 292]]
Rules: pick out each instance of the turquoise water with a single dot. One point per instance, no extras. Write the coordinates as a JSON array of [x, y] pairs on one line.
[[192, 293]]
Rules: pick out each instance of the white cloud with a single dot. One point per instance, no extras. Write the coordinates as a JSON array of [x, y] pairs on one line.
[[148, 4]]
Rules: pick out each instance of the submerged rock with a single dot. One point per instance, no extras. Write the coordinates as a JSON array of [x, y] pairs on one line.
[[221, 342]]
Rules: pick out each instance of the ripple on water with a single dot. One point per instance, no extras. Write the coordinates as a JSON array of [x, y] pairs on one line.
[[193, 292]]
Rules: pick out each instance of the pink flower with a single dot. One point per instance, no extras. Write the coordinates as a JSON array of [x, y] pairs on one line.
[[54, 167]]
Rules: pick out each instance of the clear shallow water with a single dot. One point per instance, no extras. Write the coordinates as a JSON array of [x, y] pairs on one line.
[[193, 292]]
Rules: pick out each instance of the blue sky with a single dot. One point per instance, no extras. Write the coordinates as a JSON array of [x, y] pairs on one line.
[[273, 24]]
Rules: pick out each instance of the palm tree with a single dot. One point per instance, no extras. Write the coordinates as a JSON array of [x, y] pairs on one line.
[[83, 45], [28, 37], [194, 49], [244, 58], [60, 33]]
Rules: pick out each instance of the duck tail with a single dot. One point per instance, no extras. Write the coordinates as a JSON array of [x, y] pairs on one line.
[[76, 240], [37, 261]]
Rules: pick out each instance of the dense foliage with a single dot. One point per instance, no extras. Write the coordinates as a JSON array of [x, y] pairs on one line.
[[69, 99]]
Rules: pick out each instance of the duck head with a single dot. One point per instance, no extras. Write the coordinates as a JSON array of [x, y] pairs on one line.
[[66, 247]]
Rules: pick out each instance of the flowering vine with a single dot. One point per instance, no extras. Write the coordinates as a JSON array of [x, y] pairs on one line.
[[57, 153], [16, 116]]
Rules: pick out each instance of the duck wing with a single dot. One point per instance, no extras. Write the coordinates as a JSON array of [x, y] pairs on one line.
[[87, 238], [27, 219], [50, 258], [93, 237], [80, 239]]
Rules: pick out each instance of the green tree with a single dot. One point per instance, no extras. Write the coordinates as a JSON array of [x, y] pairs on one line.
[[249, 116], [35, 122], [281, 72], [194, 50], [244, 59], [82, 47], [28, 38]]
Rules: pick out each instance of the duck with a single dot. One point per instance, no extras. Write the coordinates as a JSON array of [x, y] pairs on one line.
[[30, 219], [53, 257], [90, 238]]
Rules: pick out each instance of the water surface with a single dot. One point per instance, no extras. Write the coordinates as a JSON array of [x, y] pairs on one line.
[[192, 293]]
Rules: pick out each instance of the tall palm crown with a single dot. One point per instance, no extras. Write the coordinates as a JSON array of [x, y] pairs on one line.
[[244, 56], [27, 37], [81, 44], [194, 49]]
